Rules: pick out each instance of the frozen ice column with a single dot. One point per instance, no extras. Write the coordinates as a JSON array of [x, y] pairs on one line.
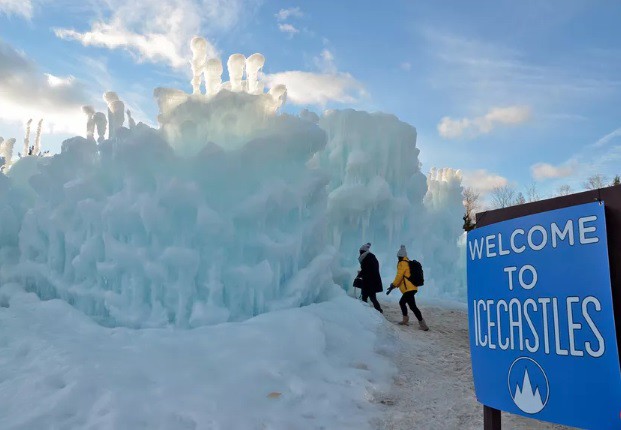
[[37, 147], [116, 112], [89, 111], [198, 45], [27, 138], [100, 123], [6, 151], [236, 66], [213, 76], [254, 64]]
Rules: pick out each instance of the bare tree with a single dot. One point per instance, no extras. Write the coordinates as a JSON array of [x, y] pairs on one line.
[[503, 196], [519, 199], [596, 181], [532, 195], [471, 205], [616, 180], [563, 190]]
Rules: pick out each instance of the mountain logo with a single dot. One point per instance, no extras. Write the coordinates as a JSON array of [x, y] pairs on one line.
[[528, 385]]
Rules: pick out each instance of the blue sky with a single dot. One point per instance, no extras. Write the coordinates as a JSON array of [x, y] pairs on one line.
[[508, 91]]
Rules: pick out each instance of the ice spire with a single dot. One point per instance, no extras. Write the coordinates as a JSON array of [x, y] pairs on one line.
[[254, 64], [27, 138], [37, 148], [3, 153], [213, 76], [89, 111], [198, 45], [130, 120], [116, 112], [236, 66], [6, 151], [100, 122]]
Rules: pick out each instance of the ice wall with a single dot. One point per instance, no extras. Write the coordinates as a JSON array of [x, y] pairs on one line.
[[378, 194], [444, 242], [134, 235]]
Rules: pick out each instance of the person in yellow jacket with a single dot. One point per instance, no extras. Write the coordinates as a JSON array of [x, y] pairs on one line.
[[408, 289]]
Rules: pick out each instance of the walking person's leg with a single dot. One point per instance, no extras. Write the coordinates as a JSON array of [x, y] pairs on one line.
[[404, 310], [417, 312], [376, 304], [364, 296], [411, 300]]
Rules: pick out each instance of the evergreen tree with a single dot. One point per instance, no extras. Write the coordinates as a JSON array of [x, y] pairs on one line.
[[468, 224]]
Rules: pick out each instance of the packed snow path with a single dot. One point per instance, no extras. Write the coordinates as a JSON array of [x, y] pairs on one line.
[[433, 388]]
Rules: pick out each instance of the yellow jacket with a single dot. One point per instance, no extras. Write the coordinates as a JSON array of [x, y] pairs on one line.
[[403, 272]]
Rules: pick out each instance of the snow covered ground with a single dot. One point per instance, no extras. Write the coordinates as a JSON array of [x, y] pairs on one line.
[[314, 367], [433, 388]]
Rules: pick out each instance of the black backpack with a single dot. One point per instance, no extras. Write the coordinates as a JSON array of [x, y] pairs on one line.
[[416, 273]]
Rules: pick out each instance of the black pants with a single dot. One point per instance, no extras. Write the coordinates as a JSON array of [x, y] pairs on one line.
[[408, 298], [368, 295]]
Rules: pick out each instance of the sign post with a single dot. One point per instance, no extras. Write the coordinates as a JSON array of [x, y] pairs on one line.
[[541, 319], [491, 418]]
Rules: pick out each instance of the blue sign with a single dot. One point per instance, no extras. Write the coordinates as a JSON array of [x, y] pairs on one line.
[[542, 329]]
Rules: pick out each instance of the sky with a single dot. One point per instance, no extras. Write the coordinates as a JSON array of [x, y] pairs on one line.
[[510, 92]]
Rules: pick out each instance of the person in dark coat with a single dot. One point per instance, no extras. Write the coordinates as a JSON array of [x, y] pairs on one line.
[[370, 274]]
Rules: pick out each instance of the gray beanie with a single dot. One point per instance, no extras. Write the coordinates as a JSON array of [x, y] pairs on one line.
[[402, 252], [365, 247]]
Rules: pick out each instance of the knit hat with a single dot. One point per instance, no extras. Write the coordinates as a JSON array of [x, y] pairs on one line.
[[365, 247], [402, 252]]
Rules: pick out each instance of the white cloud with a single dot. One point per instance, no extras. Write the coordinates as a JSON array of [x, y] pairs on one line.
[[22, 8], [27, 93], [284, 14], [325, 62], [608, 138], [158, 30], [305, 88], [480, 72], [450, 128], [288, 28], [319, 88], [483, 181], [541, 171]]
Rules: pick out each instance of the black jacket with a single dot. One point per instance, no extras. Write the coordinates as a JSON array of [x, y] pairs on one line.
[[370, 273]]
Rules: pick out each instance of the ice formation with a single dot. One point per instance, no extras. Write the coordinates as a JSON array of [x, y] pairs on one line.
[[6, 150], [199, 60], [27, 138], [254, 65], [230, 209], [37, 145], [130, 121], [89, 111], [116, 113]]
